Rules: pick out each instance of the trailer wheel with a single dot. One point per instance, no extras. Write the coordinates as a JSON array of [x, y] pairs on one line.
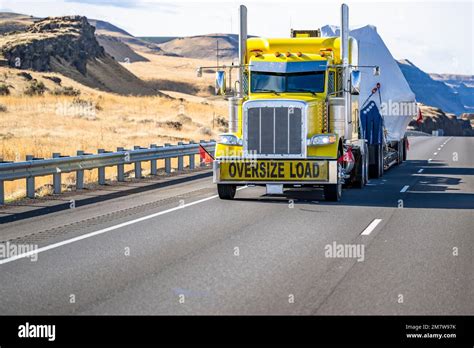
[[376, 169], [405, 148], [226, 191], [400, 148]]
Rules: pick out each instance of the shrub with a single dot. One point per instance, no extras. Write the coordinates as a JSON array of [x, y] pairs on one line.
[[4, 89], [55, 79], [25, 75], [35, 88], [68, 91], [205, 131]]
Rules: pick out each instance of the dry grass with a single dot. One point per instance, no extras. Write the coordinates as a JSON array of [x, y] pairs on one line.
[[41, 125]]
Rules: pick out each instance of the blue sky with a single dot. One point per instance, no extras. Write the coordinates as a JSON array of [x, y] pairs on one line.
[[437, 36]]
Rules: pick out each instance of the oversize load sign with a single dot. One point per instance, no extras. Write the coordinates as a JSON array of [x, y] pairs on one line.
[[268, 170]]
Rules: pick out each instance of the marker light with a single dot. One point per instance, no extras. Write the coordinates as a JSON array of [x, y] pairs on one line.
[[277, 54], [299, 54], [288, 54]]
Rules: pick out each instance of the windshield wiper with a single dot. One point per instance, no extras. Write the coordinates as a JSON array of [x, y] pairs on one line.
[[267, 90], [302, 90]]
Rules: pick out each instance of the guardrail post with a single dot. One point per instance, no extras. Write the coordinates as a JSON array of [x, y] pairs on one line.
[[80, 174], [167, 162], [57, 177], [101, 171], [120, 167], [180, 159], [153, 167], [30, 182], [191, 158], [138, 165], [2, 193]]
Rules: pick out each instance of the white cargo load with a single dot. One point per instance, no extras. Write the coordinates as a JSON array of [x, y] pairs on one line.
[[396, 102]]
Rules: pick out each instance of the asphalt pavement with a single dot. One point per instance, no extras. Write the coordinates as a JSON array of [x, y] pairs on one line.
[[402, 245]]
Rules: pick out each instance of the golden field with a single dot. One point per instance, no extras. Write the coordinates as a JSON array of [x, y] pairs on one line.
[[41, 125]]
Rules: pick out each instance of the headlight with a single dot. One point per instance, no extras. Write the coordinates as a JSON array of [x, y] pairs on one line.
[[230, 139], [322, 139]]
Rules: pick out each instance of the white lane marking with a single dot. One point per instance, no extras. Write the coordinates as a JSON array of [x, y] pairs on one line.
[[439, 149], [371, 227], [420, 171], [108, 229], [404, 188], [435, 153]]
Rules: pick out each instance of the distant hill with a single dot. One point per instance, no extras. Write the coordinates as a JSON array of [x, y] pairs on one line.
[[10, 21], [204, 46], [68, 45], [118, 43], [463, 85], [430, 91], [157, 39]]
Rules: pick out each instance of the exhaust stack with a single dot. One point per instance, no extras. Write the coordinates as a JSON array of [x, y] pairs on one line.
[[242, 46], [344, 34]]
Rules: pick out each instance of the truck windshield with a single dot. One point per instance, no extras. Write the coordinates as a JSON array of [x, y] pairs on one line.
[[308, 81]]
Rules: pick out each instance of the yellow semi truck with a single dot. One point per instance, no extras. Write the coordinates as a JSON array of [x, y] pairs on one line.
[[295, 118]]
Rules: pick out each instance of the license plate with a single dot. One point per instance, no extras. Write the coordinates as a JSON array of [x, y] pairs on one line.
[[269, 170]]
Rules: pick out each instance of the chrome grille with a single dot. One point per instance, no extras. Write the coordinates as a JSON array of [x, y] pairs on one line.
[[274, 130]]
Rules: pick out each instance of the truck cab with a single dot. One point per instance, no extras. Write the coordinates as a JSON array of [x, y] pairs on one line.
[[290, 124]]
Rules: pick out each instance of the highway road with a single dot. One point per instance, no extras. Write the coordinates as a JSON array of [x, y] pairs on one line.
[[180, 250]]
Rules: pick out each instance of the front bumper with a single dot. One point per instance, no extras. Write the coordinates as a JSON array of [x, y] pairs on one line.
[[297, 171]]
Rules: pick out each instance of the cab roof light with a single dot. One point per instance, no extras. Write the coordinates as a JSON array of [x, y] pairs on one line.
[[277, 54], [288, 54], [299, 54]]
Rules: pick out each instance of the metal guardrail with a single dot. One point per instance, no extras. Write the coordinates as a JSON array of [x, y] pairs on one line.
[[34, 167]]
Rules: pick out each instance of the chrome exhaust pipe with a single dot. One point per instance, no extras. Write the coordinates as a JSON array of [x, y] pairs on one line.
[[242, 46], [344, 35]]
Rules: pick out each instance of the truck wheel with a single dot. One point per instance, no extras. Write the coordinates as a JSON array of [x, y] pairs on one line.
[[361, 169], [381, 160], [405, 148], [376, 169], [226, 191], [333, 192]]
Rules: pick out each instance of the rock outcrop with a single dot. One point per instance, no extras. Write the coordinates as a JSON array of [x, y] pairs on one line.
[[435, 119], [68, 45], [69, 38]]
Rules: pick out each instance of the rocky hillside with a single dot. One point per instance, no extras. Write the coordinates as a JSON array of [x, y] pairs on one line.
[[68, 45], [434, 118], [462, 85], [204, 46], [430, 91]]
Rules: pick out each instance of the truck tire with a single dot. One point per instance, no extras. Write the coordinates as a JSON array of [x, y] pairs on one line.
[[361, 169], [226, 191], [405, 148], [400, 148], [333, 192], [376, 169]]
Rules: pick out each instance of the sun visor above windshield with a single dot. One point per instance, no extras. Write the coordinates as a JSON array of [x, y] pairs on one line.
[[288, 67]]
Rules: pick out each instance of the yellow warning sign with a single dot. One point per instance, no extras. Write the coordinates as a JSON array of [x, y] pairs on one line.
[[274, 170]]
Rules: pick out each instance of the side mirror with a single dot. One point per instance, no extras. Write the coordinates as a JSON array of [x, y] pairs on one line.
[[220, 82], [199, 72], [377, 71], [355, 82]]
